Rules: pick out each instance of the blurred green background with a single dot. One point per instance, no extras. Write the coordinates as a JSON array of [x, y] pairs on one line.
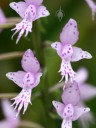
[[77, 9]]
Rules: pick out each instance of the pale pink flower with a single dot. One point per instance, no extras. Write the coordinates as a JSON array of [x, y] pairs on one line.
[[29, 11], [2, 18], [10, 121], [92, 6], [27, 80], [87, 92], [70, 110], [67, 52]]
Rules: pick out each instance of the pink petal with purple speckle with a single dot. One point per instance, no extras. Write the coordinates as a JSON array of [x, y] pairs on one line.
[[86, 120], [68, 112], [66, 123], [42, 12], [29, 80], [79, 111], [79, 54], [57, 46], [71, 93], [29, 62], [66, 52], [66, 70], [69, 34], [22, 100], [59, 108], [23, 27], [19, 7], [30, 13], [16, 77]]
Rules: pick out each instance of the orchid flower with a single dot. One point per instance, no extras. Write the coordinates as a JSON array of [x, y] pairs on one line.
[[67, 52], [70, 110], [29, 11], [82, 75], [2, 18], [11, 121], [92, 6], [27, 80]]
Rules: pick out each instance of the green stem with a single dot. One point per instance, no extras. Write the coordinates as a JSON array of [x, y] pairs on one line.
[[37, 44], [49, 122]]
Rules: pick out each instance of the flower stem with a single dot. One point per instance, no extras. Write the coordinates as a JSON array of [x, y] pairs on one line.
[[37, 44], [45, 99]]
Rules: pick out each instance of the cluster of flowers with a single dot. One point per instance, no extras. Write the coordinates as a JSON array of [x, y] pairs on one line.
[[71, 107]]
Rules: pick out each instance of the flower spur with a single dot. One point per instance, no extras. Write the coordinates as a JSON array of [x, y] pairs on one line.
[[27, 80], [29, 11], [67, 52]]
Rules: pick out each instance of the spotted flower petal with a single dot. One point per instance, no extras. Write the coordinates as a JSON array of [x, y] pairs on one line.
[[66, 71], [69, 34], [34, 2], [66, 123], [66, 52], [29, 80], [71, 93], [67, 116], [42, 12], [29, 62], [30, 13], [16, 77], [79, 111], [19, 7], [86, 120], [22, 100], [23, 27], [57, 46], [68, 112], [59, 107], [79, 54]]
